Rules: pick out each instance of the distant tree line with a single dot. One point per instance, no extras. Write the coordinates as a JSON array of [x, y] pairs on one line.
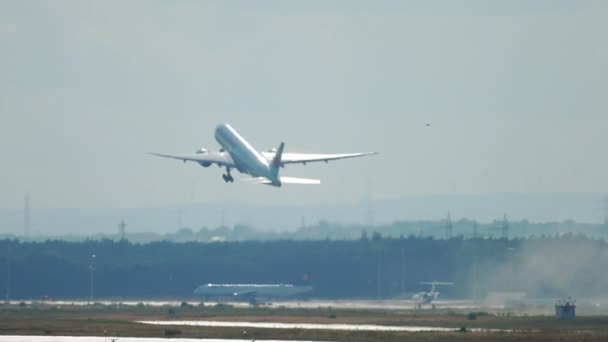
[[369, 267], [440, 229]]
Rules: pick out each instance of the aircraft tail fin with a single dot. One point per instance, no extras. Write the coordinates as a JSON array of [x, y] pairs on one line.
[[276, 161]]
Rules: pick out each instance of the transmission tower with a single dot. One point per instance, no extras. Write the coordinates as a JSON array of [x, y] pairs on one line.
[[8, 276], [122, 232], [370, 205], [179, 219], [448, 227], [505, 228], [26, 216], [222, 218], [379, 276], [475, 232], [403, 270], [606, 211], [475, 278]]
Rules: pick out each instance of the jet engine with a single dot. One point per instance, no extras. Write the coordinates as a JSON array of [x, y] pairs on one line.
[[205, 164], [203, 150]]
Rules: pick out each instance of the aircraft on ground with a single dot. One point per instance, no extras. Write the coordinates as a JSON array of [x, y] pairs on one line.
[[251, 292], [263, 167], [428, 297]]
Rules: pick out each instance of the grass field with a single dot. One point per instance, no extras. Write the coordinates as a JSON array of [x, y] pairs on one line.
[[118, 320]]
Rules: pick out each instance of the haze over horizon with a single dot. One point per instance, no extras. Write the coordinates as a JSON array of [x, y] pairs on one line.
[[585, 208], [513, 93]]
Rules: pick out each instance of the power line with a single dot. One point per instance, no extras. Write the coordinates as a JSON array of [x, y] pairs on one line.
[[475, 277], [370, 205], [26, 216], [91, 279], [179, 219], [379, 276], [222, 218], [606, 211], [505, 228], [403, 270], [8, 276]]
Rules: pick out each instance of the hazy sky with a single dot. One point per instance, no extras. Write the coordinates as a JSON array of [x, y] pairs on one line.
[[516, 93]]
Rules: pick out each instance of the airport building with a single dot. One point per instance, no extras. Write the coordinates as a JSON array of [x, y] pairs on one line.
[[565, 309]]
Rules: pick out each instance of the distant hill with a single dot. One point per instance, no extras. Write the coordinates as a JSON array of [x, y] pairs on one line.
[[581, 207]]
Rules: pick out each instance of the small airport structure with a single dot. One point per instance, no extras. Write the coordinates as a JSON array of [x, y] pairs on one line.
[[565, 309]]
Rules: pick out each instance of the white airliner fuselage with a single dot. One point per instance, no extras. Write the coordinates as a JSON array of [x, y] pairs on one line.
[[245, 157], [264, 167]]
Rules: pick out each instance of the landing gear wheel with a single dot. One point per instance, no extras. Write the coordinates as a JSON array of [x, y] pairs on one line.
[[228, 178]]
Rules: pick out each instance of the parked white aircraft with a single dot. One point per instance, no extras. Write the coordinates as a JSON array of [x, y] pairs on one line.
[[263, 167]]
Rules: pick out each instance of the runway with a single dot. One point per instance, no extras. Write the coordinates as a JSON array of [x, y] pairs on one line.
[[115, 339], [305, 326], [390, 304]]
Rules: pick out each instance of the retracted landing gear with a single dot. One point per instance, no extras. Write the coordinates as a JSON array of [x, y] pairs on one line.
[[228, 177]]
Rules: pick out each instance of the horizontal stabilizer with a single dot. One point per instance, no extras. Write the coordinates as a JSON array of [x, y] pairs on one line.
[[284, 180], [294, 180]]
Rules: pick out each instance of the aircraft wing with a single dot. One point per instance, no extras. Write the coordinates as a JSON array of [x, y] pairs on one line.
[[303, 158], [220, 158]]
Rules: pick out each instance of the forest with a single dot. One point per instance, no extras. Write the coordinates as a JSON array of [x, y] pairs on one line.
[[372, 266]]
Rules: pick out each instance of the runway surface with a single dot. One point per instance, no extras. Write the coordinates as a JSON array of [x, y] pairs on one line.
[[109, 339], [304, 326]]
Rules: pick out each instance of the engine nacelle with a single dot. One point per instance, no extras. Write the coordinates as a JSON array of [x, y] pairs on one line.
[[201, 150], [205, 164]]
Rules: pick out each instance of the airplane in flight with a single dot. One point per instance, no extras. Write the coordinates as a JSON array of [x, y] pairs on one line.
[[263, 167]]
